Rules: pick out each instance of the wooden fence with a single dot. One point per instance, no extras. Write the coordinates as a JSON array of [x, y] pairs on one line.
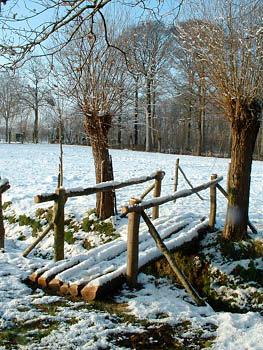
[[61, 195]]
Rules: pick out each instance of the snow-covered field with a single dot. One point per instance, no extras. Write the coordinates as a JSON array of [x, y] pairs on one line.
[[32, 170]]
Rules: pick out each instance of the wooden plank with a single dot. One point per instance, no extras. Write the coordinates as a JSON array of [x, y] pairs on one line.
[[64, 289], [43, 281], [162, 200], [74, 289], [92, 292], [33, 277], [55, 284]]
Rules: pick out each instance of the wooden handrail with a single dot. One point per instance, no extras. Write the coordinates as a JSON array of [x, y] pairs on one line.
[[101, 187], [162, 200]]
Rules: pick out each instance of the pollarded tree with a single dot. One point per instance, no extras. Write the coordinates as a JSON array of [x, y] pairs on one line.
[[228, 39], [92, 77]]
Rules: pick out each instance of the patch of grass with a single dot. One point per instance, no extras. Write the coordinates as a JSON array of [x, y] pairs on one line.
[[25, 220], [162, 337], [68, 237], [6, 205], [86, 224], [251, 273], [51, 308], [21, 237], [87, 244], [105, 229], [245, 249], [72, 224], [11, 219], [45, 213], [22, 335]]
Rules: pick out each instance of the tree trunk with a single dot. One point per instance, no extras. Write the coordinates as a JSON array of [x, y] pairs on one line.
[[153, 113], [136, 112], [119, 129], [201, 117], [6, 130], [2, 228], [244, 133], [35, 131], [97, 128], [148, 146]]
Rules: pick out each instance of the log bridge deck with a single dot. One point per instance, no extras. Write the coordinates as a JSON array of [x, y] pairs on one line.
[[103, 269]]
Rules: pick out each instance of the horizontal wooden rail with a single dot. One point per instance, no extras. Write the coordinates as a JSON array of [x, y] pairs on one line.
[[101, 187], [162, 200]]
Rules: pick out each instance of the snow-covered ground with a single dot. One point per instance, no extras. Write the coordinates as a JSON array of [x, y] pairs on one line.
[[32, 170]]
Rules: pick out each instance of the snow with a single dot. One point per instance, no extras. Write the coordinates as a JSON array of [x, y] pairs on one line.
[[32, 169]]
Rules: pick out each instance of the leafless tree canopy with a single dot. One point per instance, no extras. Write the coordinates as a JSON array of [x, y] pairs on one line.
[[28, 26]]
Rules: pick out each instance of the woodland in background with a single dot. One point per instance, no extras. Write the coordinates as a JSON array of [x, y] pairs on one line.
[[164, 105]]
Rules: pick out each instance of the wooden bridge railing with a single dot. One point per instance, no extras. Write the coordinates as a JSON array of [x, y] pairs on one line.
[[61, 195], [136, 209], [4, 186]]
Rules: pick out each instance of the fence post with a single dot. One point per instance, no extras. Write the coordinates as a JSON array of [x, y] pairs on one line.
[[133, 245], [176, 173], [59, 224], [2, 228], [157, 192], [212, 216]]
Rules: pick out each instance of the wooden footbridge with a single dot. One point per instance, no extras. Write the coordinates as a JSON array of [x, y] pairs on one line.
[[106, 267], [103, 269]]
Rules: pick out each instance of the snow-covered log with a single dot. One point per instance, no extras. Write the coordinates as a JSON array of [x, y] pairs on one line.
[[101, 187], [165, 199]]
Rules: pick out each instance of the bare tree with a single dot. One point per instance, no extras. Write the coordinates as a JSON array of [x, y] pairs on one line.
[[29, 25], [10, 106], [146, 45], [228, 39], [93, 76], [35, 92]]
